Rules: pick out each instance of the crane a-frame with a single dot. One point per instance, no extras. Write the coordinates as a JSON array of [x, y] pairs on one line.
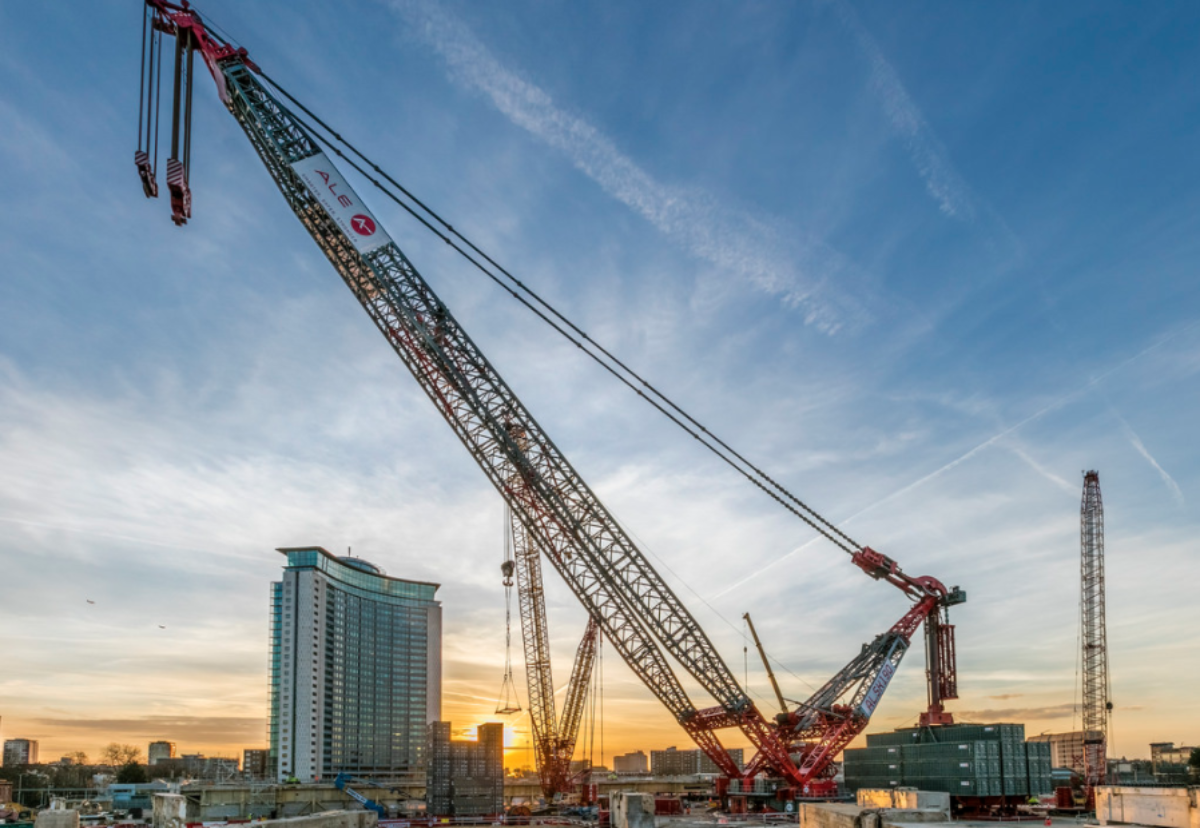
[[639, 613]]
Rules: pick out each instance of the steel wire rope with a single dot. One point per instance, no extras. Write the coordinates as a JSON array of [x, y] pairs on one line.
[[155, 90], [600, 686], [142, 81], [809, 515]]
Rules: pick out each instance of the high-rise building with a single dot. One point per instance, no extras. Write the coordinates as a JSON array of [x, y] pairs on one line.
[[158, 751], [356, 668], [20, 752], [465, 778]]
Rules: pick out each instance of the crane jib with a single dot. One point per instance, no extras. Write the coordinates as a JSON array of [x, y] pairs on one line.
[[343, 205]]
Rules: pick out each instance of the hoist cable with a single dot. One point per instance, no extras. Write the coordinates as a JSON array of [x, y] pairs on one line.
[[600, 685], [584, 342], [142, 80], [156, 89]]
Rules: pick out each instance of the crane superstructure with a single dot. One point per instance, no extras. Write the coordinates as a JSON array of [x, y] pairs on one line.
[[1097, 705], [639, 614]]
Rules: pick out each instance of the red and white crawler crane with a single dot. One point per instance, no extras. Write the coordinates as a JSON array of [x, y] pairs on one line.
[[641, 617]]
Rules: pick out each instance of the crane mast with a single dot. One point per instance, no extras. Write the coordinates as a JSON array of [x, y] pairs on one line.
[[1096, 703], [557, 513]]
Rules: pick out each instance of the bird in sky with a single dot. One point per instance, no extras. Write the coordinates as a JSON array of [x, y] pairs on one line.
[[162, 626], [90, 601]]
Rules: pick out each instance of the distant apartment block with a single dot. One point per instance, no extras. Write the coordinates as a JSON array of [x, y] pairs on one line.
[[356, 668], [218, 768], [158, 751], [197, 766], [1066, 749], [20, 752], [672, 762], [465, 778], [635, 762], [256, 763]]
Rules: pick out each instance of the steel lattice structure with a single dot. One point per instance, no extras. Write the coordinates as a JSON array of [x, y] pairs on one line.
[[553, 739], [1096, 702], [557, 513]]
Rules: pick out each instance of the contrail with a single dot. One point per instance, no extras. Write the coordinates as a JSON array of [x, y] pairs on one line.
[[1061, 401], [1176, 492], [1044, 472], [927, 153]]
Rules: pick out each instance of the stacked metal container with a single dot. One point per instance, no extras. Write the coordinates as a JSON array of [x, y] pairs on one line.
[[875, 766], [1040, 781], [963, 760], [961, 768]]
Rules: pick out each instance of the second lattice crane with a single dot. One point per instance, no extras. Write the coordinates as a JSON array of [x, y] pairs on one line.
[[554, 737]]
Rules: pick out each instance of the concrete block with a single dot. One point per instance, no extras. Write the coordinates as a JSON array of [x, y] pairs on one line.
[[906, 799], [874, 798], [632, 810], [57, 819], [1159, 807], [846, 815], [911, 799], [325, 819], [169, 811]]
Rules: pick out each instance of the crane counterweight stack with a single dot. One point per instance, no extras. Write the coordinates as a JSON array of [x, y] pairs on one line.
[[557, 517]]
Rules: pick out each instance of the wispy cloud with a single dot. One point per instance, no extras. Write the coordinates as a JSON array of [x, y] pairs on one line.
[[736, 241], [192, 729], [1137, 443], [1019, 714]]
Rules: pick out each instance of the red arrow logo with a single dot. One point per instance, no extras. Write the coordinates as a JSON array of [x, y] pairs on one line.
[[363, 225]]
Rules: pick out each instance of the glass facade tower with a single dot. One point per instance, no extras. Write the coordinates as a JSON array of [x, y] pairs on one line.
[[356, 668]]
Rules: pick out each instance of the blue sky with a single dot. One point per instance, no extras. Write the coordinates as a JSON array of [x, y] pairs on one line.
[[924, 263]]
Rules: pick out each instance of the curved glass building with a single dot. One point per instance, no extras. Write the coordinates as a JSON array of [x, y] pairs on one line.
[[356, 668]]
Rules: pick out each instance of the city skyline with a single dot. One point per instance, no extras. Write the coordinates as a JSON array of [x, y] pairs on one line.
[[924, 266]]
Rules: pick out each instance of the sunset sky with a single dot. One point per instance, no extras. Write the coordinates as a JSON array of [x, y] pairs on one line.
[[925, 263]]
